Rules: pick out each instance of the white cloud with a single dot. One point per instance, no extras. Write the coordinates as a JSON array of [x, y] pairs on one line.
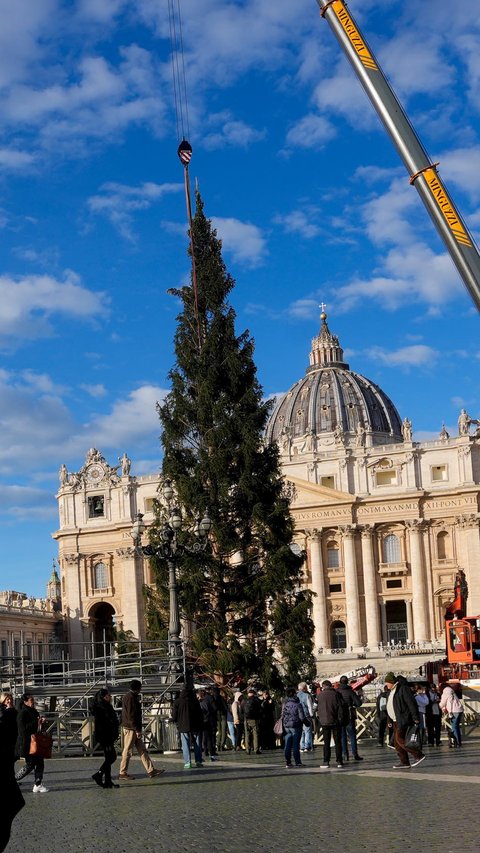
[[13, 159], [233, 133], [417, 355], [409, 274], [30, 302], [23, 502], [96, 391], [99, 101], [223, 38], [303, 309], [244, 241], [300, 222], [312, 131], [462, 168], [36, 408], [119, 202], [130, 420], [416, 66], [100, 11]]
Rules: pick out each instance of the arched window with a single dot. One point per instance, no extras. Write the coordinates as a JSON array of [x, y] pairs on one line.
[[339, 635], [391, 549], [100, 575], [333, 559], [443, 545]]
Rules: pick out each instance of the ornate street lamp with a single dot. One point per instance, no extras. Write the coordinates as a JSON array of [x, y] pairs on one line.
[[171, 549]]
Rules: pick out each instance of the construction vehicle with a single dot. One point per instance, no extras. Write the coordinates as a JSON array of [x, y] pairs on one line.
[[462, 637], [423, 173]]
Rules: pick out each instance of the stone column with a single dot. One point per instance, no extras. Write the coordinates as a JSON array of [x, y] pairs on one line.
[[132, 597], [370, 584], [419, 586], [470, 535], [70, 571], [351, 587], [408, 607], [383, 617], [318, 586]]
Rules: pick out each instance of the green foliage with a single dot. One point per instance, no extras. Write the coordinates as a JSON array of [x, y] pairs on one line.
[[213, 422], [294, 630]]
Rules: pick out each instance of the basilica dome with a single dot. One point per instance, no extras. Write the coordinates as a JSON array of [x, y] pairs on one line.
[[332, 404]]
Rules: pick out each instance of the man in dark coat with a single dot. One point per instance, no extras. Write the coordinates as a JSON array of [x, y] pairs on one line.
[[106, 733], [330, 711], [252, 710], [28, 722], [188, 715], [10, 797], [351, 701], [132, 733], [209, 712], [403, 712]]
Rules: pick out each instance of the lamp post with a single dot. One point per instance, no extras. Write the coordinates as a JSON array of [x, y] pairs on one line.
[[171, 549]]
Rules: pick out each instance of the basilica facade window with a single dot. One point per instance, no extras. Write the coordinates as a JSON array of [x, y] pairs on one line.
[[100, 576], [391, 549], [333, 556]]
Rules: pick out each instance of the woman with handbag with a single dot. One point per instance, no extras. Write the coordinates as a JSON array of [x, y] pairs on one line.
[[293, 718], [450, 703], [106, 733], [29, 722], [11, 798]]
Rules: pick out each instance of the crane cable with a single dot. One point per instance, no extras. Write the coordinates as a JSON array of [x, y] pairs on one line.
[[184, 149]]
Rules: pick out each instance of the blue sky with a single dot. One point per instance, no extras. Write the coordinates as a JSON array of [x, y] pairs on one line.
[[304, 187]]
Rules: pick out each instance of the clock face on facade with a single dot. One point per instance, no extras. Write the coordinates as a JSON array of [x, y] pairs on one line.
[[94, 473]]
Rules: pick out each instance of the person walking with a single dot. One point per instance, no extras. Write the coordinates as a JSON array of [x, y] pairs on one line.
[[209, 713], [29, 722], [132, 733], [423, 701], [267, 721], [351, 702], [106, 730], [433, 716], [222, 714], [238, 719], [306, 741], [382, 716], [11, 798], [252, 711], [403, 712], [451, 704], [187, 714], [330, 710], [293, 719]]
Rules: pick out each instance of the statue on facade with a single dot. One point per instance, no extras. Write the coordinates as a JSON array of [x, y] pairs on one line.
[[360, 436], [443, 434], [285, 440], [126, 464], [407, 429], [308, 441], [338, 434], [63, 475], [93, 455], [464, 421]]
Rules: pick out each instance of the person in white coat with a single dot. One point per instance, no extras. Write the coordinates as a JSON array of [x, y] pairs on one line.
[[451, 704]]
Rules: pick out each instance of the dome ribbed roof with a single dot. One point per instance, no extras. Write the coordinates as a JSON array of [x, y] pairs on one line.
[[332, 402]]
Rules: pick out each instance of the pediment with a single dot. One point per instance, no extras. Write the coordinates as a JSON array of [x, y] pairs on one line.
[[312, 494]]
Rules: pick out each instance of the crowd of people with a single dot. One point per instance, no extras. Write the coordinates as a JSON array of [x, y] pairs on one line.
[[212, 719]]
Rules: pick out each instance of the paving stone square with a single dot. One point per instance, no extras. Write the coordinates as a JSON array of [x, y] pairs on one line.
[[253, 803]]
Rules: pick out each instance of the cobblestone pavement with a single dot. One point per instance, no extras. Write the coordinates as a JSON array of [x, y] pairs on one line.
[[252, 803]]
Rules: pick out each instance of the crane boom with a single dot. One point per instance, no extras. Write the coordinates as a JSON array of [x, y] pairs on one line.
[[423, 173]]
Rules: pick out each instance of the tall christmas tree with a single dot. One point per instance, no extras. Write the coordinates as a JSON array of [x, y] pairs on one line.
[[243, 593]]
